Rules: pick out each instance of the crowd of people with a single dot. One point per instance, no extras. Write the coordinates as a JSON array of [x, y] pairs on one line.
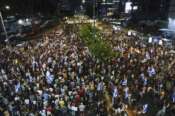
[[58, 76]]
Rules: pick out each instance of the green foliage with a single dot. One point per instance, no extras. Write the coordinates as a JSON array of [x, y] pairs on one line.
[[96, 44]]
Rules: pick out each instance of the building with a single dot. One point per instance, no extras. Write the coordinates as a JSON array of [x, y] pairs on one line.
[[64, 7], [172, 9], [108, 8], [150, 9], [103, 8], [171, 16]]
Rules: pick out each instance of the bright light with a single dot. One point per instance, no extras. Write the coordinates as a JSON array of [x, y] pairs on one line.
[[135, 7], [27, 20], [20, 22], [171, 23], [160, 42], [150, 40], [128, 7], [129, 33], [7, 7], [83, 1]]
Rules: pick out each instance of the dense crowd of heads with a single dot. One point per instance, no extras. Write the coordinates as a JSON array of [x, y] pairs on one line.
[[58, 75]]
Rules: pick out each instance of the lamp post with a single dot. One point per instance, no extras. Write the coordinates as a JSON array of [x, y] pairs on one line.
[[2, 22], [94, 16], [3, 25], [104, 2], [83, 3]]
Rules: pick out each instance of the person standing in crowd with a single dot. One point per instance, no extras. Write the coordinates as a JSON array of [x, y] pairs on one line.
[[57, 75]]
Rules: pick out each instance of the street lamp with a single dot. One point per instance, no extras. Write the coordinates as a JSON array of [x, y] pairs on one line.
[[104, 2], [20, 22], [7, 7], [83, 1], [82, 6]]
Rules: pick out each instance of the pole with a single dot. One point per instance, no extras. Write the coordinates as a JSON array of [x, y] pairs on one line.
[[94, 5], [3, 25], [106, 10]]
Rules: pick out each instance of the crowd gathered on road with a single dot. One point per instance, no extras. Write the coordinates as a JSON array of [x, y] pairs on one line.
[[58, 76]]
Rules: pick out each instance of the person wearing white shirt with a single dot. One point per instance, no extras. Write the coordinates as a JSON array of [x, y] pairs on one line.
[[82, 109], [74, 110]]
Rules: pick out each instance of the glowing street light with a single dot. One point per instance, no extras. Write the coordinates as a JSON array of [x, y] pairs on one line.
[[104, 1], [135, 8], [20, 22], [128, 7], [7, 7], [83, 1]]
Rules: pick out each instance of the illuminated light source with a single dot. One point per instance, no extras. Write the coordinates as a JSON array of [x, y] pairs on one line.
[[20, 22], [129, 33], [171, 23], [83, 1], [150, 40], [7, 7], [135, 7], [128, 7], [27, 20]]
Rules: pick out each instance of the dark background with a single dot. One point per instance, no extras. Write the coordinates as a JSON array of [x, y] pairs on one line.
[[148, 9], [47, 7]]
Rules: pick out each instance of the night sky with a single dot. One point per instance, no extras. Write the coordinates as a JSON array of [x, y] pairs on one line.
[[35, 6]]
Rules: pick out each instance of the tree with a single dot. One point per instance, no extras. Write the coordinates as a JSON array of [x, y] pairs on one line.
[[97, 45]]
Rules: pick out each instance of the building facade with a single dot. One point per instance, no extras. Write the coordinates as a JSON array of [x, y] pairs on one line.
[[103, 8], [172, 9], [151, 9]]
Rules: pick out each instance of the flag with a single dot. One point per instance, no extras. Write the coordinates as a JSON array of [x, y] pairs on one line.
[[145, 108], [17, 87]]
